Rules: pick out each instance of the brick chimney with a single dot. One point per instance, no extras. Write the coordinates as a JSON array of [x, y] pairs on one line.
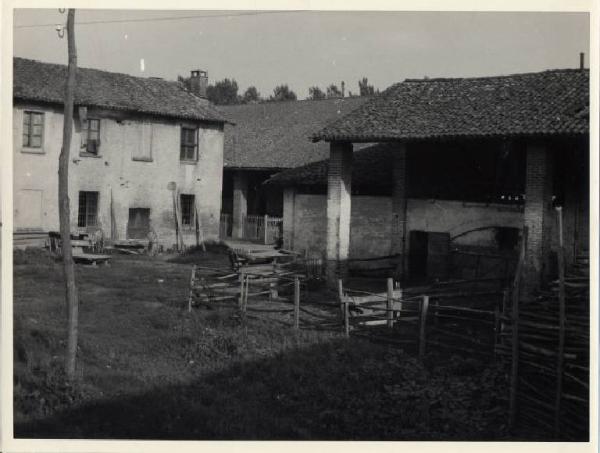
[[199, 82]]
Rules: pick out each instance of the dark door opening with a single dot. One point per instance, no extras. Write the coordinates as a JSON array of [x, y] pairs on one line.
[[428, 256], [138, 226], [417, 267], [438, 252]]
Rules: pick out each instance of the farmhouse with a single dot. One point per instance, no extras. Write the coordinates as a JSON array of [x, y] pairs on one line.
[[269, 137], [142, 149], [462, 165]]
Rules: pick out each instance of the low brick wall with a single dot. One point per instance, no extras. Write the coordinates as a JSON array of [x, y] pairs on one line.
[[371, 222]]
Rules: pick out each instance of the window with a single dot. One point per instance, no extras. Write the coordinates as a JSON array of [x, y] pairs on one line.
[[90, 135], [33, 129], [142, 150], [187, 210], [189, 144], [88, 209]]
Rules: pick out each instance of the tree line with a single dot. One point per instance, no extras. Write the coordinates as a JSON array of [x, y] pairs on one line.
[[226, 92]]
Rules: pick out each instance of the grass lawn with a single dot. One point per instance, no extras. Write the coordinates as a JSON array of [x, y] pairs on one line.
[[148, 369]]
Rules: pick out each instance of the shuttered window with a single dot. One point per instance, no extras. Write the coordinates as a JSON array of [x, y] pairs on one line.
[[91, 135], [33, 129], [189, 144]]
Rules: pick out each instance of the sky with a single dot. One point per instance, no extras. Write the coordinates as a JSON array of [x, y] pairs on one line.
[[308, 48]]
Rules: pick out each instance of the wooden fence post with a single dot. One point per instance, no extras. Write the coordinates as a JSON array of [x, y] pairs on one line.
[[344, 308], [390, 303], [241, 300], [246, 291], [192, 281], [422, 321], [514, 378], [346, 319], [561, 323], [266, 230], [296, 302]]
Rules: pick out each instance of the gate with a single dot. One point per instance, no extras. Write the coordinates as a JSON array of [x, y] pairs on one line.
[[256, 228]]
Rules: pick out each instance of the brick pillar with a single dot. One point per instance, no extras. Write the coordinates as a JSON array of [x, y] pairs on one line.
[[572, 198], [399, 207], [289, 211], [240, 203], [538, 216], [339, 190]]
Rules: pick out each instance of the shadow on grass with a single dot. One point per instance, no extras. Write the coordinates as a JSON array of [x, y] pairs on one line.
[[340, 390]]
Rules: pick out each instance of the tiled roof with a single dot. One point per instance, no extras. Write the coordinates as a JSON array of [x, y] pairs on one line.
[[544, 103], [45, 82], [370, 167], [277, 134]]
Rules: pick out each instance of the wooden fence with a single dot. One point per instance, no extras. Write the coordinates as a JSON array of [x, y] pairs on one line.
[[547, 340], [221, 288], [263, 229], [457, 316], [253, 228]]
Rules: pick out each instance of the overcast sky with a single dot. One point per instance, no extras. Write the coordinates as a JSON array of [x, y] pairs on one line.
[[309, 48]]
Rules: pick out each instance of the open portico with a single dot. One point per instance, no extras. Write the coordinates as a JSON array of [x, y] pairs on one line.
[[543, 117]]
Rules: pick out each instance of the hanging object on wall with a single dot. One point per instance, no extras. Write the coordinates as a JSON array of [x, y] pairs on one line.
[[113, 220], [199, 232]]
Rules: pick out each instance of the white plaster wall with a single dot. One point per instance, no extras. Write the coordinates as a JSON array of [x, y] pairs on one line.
[[133, 183]]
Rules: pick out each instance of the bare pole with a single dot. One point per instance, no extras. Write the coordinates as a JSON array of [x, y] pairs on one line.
[[64, 208], [561, 325]]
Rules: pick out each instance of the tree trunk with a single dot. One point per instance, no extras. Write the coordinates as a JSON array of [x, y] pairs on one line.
[[64, 209]]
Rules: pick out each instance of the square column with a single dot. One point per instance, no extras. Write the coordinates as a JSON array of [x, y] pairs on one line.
[[538, 215], [339, 193], [289, 208], [399, 199], [240, 203]]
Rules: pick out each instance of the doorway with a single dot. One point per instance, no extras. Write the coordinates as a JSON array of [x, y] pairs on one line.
[[28, 210], [428, 256], [138, 225]]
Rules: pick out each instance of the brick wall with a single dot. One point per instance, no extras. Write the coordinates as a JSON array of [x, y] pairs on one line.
[[289, 200], [339, 189], [537, 215], [371, 222], [399, 200]]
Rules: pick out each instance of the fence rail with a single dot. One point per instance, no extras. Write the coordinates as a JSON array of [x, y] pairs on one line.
[[258, 228], [438, 316]]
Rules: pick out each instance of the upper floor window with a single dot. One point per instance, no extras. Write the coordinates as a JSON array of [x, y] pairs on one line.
[[189, 144], [90, 135], [33, 129]]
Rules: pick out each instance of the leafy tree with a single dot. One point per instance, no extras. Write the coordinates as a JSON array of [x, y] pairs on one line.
[[283, 93], [364, 87], [333, 91], [315, 93], [185, 81], [224, 92], [251, 95]]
